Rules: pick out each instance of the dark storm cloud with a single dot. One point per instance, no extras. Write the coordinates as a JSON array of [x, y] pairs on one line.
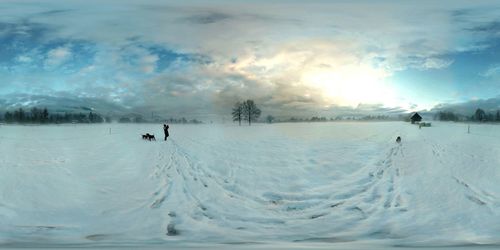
[[492, 28], [61, 102], [467, 108], [53, 12], [24, 32], [206, 18]]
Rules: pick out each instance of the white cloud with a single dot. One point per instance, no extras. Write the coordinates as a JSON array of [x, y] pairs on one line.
[[436, 63], [57, 56], [493, 70], [24, 59], [148, 63], [274, 45]]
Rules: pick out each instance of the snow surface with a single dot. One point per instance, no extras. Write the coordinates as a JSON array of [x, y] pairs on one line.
[[290, 185]]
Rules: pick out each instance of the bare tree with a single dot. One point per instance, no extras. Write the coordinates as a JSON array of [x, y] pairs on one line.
[[270, 119], [45, 115], [250, 111], [480, 115], [238, 112]]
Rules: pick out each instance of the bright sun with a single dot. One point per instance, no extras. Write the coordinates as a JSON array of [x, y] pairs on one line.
[[351, 85]]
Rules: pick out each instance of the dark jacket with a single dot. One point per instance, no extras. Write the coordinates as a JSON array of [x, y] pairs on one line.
[[165, 129]]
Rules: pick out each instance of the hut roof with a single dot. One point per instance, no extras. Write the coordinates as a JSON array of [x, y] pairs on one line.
[[416, 116]]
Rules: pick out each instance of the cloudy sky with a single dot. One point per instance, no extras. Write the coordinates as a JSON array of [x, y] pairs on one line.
[[199, 57]]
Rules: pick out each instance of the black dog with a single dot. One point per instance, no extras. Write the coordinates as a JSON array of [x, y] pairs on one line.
[[152, 138], [149, 137], [398, 140]]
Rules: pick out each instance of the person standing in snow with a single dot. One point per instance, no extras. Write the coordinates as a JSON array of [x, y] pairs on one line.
[[165, 130]]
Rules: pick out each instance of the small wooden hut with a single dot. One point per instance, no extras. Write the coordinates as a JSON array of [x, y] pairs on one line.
[[415, 118]]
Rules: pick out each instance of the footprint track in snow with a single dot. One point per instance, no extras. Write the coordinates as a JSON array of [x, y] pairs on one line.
[[477, 195], [363, 197], [386, 180]]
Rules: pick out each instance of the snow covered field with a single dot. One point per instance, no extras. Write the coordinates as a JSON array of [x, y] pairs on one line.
[[318, 185]]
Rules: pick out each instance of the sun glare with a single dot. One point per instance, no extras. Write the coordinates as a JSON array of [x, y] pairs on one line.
[[351, 85]]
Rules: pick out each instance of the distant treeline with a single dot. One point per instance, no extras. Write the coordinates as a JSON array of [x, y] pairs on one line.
[[183, 121], [140, 119], [478, 116], [41, 116], [271, 119]]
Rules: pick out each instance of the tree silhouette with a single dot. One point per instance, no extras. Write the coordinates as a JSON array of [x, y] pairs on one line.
[[45, 115], [19, 115], [237, 112], [124, 120], [8, 117], [480, 115], [95, 118], [35, 115], [446, 116], [250, 111], [269, 119]]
